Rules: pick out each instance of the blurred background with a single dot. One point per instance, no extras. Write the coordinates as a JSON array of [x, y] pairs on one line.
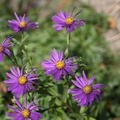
[[97, 44]]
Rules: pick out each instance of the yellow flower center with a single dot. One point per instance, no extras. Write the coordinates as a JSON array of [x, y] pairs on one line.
[[22, 80], [60, 64], [22, 24], [25, 113], [69, 20], [87, 89], [1, 48]]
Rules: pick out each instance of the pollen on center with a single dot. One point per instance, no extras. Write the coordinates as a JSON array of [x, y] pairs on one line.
[[25, 113], [87, 89], [60, 64], [22, 24], [69, 20], [22, 80]]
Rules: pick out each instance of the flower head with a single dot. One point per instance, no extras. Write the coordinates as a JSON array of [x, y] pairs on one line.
[[19, 82], [24, 112], [21, 24], [57, 66], [4, 47], [85, 93], [67, 20]]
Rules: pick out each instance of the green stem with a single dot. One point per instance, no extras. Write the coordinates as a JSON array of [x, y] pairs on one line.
[[68, 44]]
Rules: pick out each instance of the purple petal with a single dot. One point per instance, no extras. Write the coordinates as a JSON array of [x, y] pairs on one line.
[[35, 107], [58, 19], [18, 71], [30, 104], [34, 117], [9, 45], [7, 51], [79, 80], [27, 20], [59, 28], [15, 109], [30, 79], [14, 72], [1, 56], [10, 81], [12, 114], [6, 40], [60, 55], [70, 28], [91, 79], [61, 14], [37, 114], [76, 83], [11, 76], [97, 86], [19, 104], [84, 76], [56, 25], [23, 18], [17, 17], [33, 75], [33, 25], [58, 74], [75, 91]]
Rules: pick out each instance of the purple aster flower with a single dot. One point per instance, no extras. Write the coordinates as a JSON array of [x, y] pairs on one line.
[[57, 66], [19, 82], [21, 23], [25, 112], [4, 47], [67, 20], [85, 93]]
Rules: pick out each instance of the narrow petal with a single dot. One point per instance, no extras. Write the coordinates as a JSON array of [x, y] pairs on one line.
[[58, 19], [97, 86], [37, 114], [11, 76], [13, 70], [35, 107], [17, 17], [7, 51], [12, 114], [91, 79], [76, 83], [6, 40], [19, 104], [15, 109], [1, 56], [9, 45], [61, 14], [75, 91]]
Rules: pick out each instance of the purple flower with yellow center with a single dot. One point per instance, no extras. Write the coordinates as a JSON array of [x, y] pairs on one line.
[[25, 112], [85, 93], [67, 20], [19, 82], [4, 47], [57, 66], [22, 23]]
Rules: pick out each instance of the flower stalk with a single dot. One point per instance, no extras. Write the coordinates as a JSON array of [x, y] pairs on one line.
[[67, 51]]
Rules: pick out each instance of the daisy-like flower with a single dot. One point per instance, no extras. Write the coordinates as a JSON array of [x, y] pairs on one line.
[[85, 93], [25, 112], [67, 20], [57, 66], [21, 24], [19, 82], [4, 47]]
